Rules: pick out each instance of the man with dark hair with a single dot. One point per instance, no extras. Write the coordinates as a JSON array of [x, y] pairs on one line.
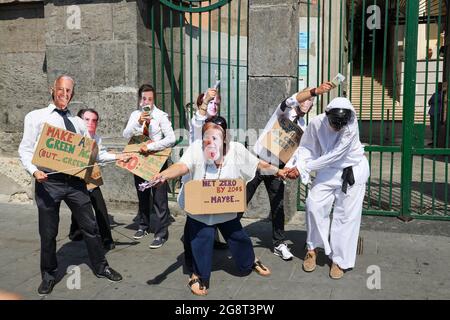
[[52, 188], [150, 121], [91, 118]]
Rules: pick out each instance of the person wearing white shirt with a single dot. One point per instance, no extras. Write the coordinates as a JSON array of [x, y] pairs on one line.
[[50, 190], [214, 157], [293, 108], [331, 147], [91, 118], [155, 124], [208, 106]]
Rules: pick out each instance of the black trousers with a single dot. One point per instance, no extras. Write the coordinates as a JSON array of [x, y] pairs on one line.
[[73, 192], [158, 197], [275, 190], [101, 216]]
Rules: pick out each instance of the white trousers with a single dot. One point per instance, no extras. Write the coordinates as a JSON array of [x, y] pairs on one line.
[[341, 239]]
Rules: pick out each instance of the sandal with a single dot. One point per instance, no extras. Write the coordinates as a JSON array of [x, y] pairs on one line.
[[201, 288], [260, 269]]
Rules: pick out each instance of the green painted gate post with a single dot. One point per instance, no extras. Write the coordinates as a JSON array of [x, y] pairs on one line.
[[409, 94]]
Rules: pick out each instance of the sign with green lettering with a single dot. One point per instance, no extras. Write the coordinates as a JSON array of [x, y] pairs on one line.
[[64, 151]]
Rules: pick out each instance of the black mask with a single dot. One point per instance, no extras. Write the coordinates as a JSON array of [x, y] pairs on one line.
[[338, 117]]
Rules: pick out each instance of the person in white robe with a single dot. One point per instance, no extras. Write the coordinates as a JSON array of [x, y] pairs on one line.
[[330, 146]]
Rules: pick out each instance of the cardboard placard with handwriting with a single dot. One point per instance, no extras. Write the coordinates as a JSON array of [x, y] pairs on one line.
[[95, 180], [215, 196], [283, 139], [65, 151], [143, 166]]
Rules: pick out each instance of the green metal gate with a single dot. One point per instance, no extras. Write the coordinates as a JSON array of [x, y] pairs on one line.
[[193, 43], [393, 53]]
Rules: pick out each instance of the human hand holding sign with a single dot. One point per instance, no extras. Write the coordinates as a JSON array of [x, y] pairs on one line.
[[143, 149], [40, 176]]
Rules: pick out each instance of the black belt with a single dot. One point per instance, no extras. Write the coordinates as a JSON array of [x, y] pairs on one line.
[[61, 176], [347, 178]]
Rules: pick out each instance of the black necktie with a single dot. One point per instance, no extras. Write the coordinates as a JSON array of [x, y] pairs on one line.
[[69, 125]]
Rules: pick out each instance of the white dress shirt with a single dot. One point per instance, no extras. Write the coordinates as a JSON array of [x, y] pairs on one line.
[[160, 129], [33, 124], [288, 112], [195, 129], [103, 154]]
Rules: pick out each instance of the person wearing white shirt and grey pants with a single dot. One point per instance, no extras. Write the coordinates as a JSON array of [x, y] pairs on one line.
[[156, 125], [51, 189]]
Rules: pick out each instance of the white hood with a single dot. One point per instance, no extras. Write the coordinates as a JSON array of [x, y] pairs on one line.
[[342, 103]]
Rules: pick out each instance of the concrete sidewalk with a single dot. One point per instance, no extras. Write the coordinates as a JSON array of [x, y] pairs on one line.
[[413, 260]]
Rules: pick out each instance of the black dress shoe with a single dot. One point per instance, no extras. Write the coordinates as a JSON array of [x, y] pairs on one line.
[[109, 245], [110, 274], [46, 287], [220, 245]]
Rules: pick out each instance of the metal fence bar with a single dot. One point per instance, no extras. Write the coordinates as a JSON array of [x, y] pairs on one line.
[[238, 36], [412, 12], [422, 158], [394, 98], [229, 66], [152, 15], [162, 50]]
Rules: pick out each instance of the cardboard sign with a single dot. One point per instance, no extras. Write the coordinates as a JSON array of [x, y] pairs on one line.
[[65, 151], [283, 139], [143, 166], [215, 196], [95, 180]]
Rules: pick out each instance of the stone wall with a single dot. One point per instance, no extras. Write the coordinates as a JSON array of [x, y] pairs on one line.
[[23, 81], [272, 76]]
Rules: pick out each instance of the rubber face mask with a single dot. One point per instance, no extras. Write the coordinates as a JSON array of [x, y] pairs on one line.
[[338, 118], [213, 108], [212, 145]]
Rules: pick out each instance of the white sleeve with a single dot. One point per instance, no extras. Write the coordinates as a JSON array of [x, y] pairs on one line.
[[168, 134], [348, 139], [27, 145], [133, 127], [195, 129], [103, 154], [246, 162], [188, 157]]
